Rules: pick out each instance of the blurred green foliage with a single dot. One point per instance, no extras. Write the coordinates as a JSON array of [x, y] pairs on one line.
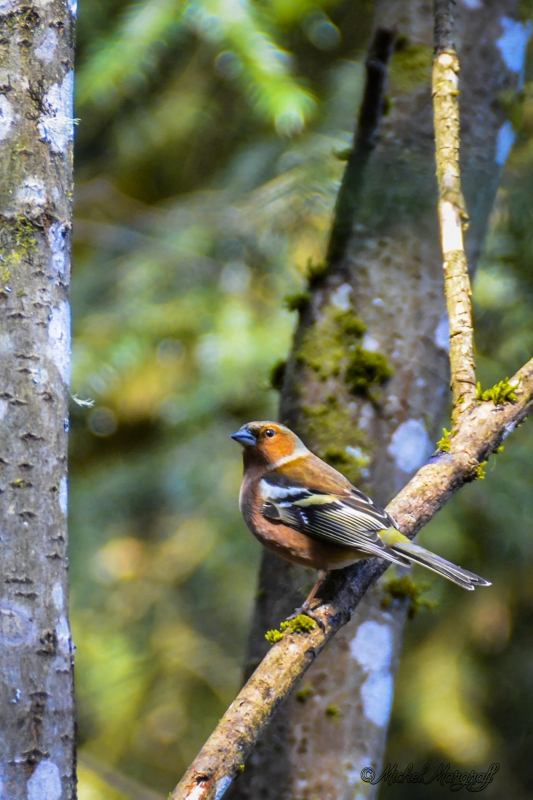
[[206, 177], [196, 213]]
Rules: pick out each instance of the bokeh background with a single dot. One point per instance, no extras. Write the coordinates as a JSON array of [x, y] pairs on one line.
[[206, 177]]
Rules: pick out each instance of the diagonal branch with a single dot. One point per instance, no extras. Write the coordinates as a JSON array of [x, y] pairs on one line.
[[479, 430], [482, 428], [451, 209]]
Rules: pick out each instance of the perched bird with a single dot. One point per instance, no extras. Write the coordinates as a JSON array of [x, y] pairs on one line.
[[307, 512]]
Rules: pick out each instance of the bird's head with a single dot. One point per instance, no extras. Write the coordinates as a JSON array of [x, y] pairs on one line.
[[269, 443]]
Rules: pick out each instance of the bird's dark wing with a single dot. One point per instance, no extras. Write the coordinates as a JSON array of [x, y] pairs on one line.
[[350, 519]]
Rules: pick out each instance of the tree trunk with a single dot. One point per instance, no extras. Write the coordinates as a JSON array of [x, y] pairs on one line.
[[37, 731], [336, 397]]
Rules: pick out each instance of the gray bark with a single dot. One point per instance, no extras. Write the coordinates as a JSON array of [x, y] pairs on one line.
[[37, 728], [391, 278]]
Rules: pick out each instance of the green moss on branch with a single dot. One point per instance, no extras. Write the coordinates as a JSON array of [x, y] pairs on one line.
[[480, 472], [444, 443], [300, 624], [501, 393]]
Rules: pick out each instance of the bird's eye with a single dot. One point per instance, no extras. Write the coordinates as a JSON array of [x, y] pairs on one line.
[[270, 433]]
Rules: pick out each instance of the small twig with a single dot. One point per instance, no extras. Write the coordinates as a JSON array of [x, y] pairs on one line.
[[365, 139], [444, 26], [451, 209], [481, 430]]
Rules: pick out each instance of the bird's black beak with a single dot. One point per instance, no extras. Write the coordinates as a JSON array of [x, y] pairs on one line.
[[244, 437]]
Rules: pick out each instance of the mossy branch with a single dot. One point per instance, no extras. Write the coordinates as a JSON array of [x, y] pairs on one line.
[[300, 624], [452, 210], [479, 433]]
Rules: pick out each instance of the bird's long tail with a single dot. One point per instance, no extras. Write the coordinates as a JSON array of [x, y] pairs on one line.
[[462, 577]]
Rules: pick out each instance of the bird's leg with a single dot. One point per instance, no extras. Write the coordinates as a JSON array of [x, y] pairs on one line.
[[306, 607], [321, 577]]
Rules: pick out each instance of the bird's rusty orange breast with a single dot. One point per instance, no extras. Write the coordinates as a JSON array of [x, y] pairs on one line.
[[287, 542]]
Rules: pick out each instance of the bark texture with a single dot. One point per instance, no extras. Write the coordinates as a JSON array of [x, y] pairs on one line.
[[482, 429], [37, 730], [338, 395]]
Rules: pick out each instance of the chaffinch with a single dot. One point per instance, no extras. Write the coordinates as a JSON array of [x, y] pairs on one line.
[[307, 512]]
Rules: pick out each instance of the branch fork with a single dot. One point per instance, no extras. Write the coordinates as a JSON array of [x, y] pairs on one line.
[[479, 429]]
